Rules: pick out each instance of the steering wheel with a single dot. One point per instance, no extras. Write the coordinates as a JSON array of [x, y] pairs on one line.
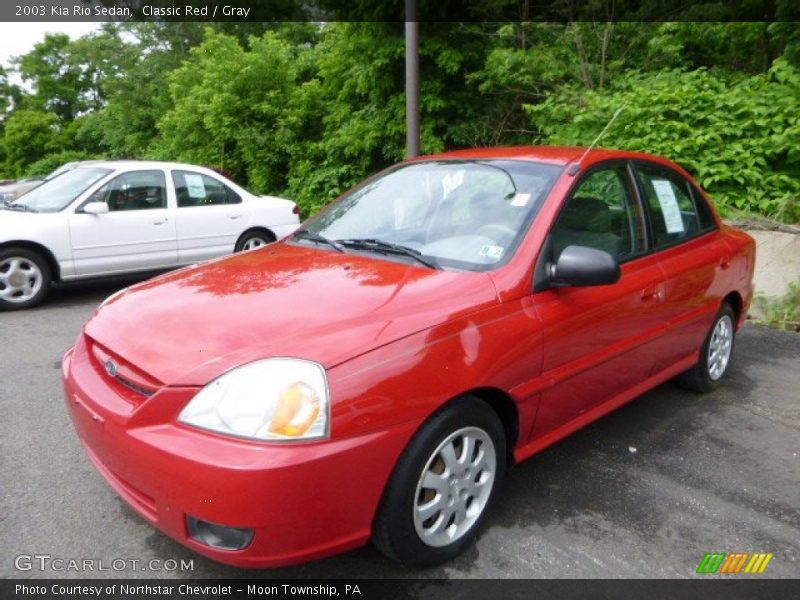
[[503, 230]]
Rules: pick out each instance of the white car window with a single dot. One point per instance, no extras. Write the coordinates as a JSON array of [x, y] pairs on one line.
[[196, 189], [137, 190]]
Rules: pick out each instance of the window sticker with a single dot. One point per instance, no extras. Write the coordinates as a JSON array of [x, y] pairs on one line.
[[490, 251], [451, 181], [194, 185], [520, 200], [669, 206]]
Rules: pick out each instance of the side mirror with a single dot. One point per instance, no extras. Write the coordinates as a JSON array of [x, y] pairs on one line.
[[95, 208], [580, 266]]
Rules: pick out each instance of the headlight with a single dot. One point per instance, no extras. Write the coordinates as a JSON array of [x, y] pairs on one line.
[[276, 399]]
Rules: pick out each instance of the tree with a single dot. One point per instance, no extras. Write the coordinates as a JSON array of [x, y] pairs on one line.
[[57, 87], [29, 135], [239, 119]]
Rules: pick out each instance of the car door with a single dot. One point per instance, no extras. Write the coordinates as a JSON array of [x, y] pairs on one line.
[[209, 216], [137, 232], [693, 254], [598, 341]]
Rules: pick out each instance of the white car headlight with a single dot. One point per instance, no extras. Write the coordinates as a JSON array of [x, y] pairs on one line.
[[275, 399]]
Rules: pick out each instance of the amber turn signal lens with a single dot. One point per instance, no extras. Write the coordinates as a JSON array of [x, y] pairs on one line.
[[298, 408]]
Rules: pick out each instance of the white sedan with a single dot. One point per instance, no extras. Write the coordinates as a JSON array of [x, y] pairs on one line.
[[113, 217]]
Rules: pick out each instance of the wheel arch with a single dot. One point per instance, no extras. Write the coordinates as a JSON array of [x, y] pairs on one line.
[[734, 299], [508, 413], [44, 251]]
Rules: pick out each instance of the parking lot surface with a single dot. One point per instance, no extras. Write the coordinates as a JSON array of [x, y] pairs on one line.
[[644, 492]]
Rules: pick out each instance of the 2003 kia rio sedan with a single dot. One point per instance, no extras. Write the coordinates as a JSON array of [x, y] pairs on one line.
[[374, 375]]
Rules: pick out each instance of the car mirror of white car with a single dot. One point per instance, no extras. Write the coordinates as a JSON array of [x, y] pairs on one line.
[[95, 208]]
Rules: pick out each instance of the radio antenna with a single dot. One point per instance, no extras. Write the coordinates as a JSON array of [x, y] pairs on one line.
[[574, 168]]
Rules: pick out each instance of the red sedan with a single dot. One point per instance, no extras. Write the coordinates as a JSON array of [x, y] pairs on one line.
[[374, 375]]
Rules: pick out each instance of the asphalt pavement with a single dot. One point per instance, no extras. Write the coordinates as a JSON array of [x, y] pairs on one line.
[[644, 492]]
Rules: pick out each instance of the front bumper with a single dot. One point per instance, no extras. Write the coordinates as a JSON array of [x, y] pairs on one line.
[[303, 501]]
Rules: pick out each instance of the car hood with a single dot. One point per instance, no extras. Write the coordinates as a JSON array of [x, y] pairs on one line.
[[19, 187], [14, 222], [192, 325]]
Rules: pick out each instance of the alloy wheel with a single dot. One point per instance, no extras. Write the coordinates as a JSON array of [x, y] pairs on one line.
[[20, 279], [719, 347], [455, 486]]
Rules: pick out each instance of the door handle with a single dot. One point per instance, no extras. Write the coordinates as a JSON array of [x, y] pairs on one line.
[[160, 222], [653, 294], [724, 263], [234, 217]]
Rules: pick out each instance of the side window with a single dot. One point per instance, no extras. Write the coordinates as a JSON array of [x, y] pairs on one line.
[[704, 213], [196, 189], [137, 190], [601, 214], [672, 209]]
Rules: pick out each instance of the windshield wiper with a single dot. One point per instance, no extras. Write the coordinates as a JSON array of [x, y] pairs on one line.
[[20, 207], [388, 248], [305, 234]]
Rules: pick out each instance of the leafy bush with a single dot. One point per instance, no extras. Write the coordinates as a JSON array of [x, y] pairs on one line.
[[51, 162], [739, 136], [29, 135]]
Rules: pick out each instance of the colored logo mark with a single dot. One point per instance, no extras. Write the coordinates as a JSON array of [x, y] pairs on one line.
[[734, 562]]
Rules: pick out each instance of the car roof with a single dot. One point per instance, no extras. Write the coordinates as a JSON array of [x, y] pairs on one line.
[[125, 164], [560, 155]]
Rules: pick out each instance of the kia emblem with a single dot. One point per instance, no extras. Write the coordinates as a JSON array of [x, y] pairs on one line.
[[112, 368]]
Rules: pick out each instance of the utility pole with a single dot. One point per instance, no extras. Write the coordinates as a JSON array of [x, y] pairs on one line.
[[412, 79]]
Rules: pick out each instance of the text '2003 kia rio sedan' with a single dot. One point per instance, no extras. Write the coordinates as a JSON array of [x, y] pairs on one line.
[[373, 376]]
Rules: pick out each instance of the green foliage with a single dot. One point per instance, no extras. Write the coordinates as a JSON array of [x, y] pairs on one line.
[[740, 136], [784, 311], [306, 110], [51, 162], [240, 119], [29, 135], [58, 87]]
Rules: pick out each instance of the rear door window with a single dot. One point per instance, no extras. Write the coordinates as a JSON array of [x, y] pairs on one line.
[[673, 207], [197, 189]]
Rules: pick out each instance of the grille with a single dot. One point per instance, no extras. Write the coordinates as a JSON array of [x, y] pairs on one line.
[[132, 383]]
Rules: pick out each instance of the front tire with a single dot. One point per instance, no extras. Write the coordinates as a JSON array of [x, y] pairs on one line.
[[24, 278], [715, 354], [443, 485]]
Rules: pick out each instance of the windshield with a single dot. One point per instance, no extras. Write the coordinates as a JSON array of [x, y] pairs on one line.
[[462, 214], [59, 192]]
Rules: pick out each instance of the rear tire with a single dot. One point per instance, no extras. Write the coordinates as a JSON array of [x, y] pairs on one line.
[[443, 486], [250, 240], [24, 278], [715, 354]]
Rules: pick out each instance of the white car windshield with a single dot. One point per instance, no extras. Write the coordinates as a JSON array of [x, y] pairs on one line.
[[468, 214], [57, 193]]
